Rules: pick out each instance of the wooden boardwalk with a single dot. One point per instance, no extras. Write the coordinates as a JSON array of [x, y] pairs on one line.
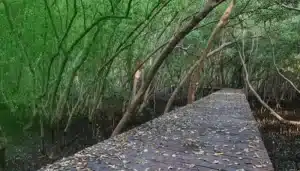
[[217, 132]]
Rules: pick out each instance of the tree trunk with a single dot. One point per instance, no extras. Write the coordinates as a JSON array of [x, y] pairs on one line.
[[223, 21], [194, 82], [186, 76], [209, 6]]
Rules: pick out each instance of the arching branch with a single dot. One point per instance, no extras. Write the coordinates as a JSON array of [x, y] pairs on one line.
[[222, 22], [209, 6], [272, 112]]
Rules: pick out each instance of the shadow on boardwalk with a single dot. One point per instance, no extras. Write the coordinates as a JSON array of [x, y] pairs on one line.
[[217, 132]]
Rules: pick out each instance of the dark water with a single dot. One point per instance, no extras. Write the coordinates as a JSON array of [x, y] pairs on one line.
[[282, 141], [23, 151], [283, 150], [18, 140], [23, 148]]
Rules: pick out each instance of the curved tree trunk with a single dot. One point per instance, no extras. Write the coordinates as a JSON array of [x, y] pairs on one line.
[[209, 6], [223, 21], [194, 82], [264, 104]]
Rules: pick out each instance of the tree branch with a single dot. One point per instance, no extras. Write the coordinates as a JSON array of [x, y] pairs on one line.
[[209, 6], [272, 112], [284, 77], [222, 22], [288, 7]]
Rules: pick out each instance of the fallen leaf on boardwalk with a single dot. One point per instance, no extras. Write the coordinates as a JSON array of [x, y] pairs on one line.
[[198, 152], [218, 154], [191, 165], [242, 129], [170, 167], [215, 161]]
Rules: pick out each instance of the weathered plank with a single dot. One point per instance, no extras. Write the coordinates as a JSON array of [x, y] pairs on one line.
[[217, 132]]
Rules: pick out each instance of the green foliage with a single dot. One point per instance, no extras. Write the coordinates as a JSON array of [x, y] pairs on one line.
[[100, 41]]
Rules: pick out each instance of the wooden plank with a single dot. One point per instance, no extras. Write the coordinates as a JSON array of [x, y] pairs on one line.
[[218, 132]]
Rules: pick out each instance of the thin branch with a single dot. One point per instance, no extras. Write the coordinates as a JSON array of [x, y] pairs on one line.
[[288, 7], [66, 55], [82, 35], [222, 22], [84, 14], [128, 7], [209, 6], [272, 112], [122, 46], [145, 22], [51, 19], [19, 41], [183, 80], [149, 56], [168, 24], [284, 77], [82, 56], [59, 46]]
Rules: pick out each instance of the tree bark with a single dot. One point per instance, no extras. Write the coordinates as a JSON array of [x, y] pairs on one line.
[[195, 75], [209, 6], [264, 104], [193, 82], [223, 21], [183, 80]]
